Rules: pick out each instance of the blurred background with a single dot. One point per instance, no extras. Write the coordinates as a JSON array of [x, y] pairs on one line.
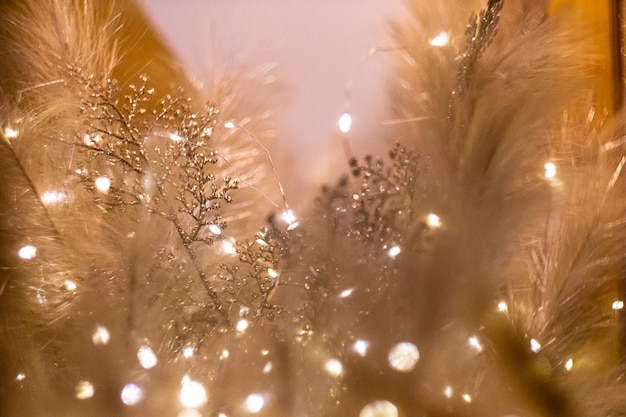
[[314, 49]]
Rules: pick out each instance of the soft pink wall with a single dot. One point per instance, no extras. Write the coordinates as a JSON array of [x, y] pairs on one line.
[[317, 46]]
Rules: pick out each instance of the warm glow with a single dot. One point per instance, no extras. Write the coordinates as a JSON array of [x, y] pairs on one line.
[[69, 285], [379, 409], [503, 307], [394, 251], [101, 336], [448, 392], [175, 137], [53, 197], [192, 393], [334, 367], [242, 325], [360, 347], [254, 403], [188, 352], [433, 220], [20, 377], [85, 390], [147, 357], [475, 343], [535, 346], [103, 184], [229, 247], [290, 219], [403, 357], [346, 293], [215, 229], [229, 125], [467, 398], [440, 40], [27, 252], [272, 273], [267, 368], [11, 133], [225, 354], [618, 305], [550, 170], [569, 364], [131, 394], [345, 122]]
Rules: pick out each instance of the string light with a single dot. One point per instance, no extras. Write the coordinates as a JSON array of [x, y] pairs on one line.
[[11, 133], [20, 377], [147, 358], [100, 336], [242, 325], [440, 40], [433, 220], [475, 343], [535, 346], [272, 273], [131, 394], [334, 367], [394, 251], [403, 357], [467, 398], [550, 172], [448, 392], [346, 293], [27, 252], [228, 247], [255, 402], [225, 354], [267, 368], [345, 122], [175, 137], [215, 229], [290, 219], [188, 352], [617, 305], [503, 307], [69, 285], [229, 125], [379, 409], [103, 184], [192, 393], [85, 390], [569, 364], [53, 197], [360, 347]]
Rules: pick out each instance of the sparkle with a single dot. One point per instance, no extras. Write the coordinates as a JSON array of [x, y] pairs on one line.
[[20, 377], [188, 352], [175, 137], [569, 364], [617, 305], [103, 184], [254, 403], [394, 251], [229, 125], [345, 122], [467, 398], [147, 357], [192, 393], [69, 285], [346, 293], [228, 247], [403, 357], [131, 394], [379, 409], [535, 346], [53, 197], [225, 354], [27, 252], [272, 273], [440, 40], [550, 172], [85, 390], [242, 325], [267, 368], [215, 229], [290, 219], [100, 336], [503, 307], [360, 347], [433, 220], [475, 343], [334, 367], [11, 133], [448, 392]]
